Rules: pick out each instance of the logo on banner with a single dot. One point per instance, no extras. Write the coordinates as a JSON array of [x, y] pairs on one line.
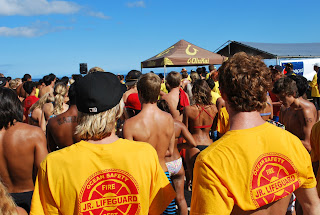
[[273, 177], [188, 52], [111, 191]]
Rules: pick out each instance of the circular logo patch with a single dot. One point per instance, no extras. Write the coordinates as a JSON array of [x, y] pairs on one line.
[[109, 192], [273, 177]]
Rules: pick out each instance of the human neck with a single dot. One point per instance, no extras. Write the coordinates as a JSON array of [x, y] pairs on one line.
[[145, 106], [112, 138], [244, 120], [295, 103]]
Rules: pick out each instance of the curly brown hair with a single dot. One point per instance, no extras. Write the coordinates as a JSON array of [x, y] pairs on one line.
[[245, 81], [287, 86], [201, 93]]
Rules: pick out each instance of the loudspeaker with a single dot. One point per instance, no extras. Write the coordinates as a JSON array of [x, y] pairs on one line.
[[83, 68]]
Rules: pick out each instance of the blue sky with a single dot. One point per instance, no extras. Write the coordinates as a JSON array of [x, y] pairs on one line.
[[43, 36]]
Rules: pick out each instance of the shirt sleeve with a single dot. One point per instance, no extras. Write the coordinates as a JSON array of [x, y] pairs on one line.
[[310, 180], [162, 192], [42, 200], [209, 196]]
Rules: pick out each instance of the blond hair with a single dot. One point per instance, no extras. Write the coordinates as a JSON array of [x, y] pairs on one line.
[[13, 84], [60, 91], [46, 98], [95, 69], [7, 206], [98, 126]]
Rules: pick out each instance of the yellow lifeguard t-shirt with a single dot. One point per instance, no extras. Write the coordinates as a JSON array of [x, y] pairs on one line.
[[215, 97], [123, 177], [163, 88], [314, 87], [223, 124], [250, 168], [315, 152], [37, 93], [216, 87]]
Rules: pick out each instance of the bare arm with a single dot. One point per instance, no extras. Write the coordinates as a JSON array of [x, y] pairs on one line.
[[271, 106], [309, 200], [185, 117], [43, 122], [309, 122], [191, 143]]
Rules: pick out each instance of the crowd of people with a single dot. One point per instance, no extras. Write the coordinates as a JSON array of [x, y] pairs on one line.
[[244, 139]]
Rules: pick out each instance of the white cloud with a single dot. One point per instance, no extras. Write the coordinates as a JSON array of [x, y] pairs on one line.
[[98, 15], [35, 30], [136, 4], [37, 7]]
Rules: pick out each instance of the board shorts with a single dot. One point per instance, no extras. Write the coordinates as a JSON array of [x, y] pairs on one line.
[[171, 209]]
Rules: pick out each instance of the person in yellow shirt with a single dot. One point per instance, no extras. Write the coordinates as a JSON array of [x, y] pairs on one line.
[[102, 174], [315, 89], [255, 167], [315, 152]]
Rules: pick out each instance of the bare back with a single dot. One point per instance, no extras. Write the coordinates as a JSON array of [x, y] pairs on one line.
[[60, 129], [199, 120], [44, 90], [299, 120], [173, 100], [153, 126], [22, 149]]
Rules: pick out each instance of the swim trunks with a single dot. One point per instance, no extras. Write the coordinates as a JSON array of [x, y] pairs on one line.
[[201, 147], [23, 199], [171, 209], [174, 166]]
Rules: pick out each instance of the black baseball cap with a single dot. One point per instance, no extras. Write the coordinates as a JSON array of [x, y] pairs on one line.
[[132, 77], [278, 68], [3, 81], [98, 92]]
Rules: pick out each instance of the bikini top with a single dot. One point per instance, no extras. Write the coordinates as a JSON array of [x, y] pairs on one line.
[[203, 126]]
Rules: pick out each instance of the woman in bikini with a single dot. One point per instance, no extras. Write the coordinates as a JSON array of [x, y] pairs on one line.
[[35, 112], [57, 107], [199, 118]]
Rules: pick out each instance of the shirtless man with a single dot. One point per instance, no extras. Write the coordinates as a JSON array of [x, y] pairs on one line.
[[22, 149], [234, 175], [60, 129], [152, 125], [175, 96], [49, 81], [297, 114], [20, 91]]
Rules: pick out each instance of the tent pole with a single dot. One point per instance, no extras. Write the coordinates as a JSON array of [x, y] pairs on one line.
[[165, 70]]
